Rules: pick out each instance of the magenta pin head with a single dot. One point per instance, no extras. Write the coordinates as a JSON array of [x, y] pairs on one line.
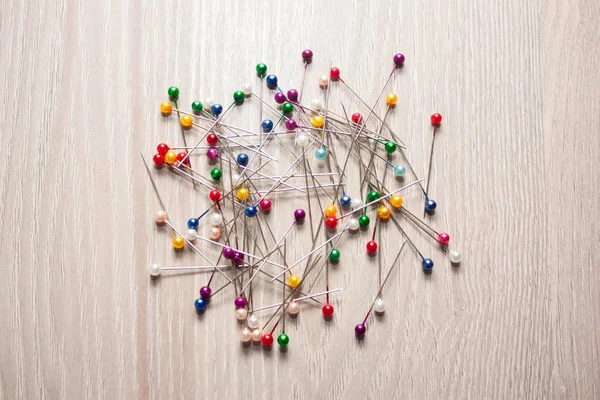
[[399, 60], [238, 258], [240, 302], [228, 253], [279, 98], [212, 154], [292, 94], [307, 56], [290, 124], [299, 215], [443, 238], [205, 292], [360, 329]]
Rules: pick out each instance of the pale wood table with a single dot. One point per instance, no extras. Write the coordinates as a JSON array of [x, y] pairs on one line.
[[515, 174]]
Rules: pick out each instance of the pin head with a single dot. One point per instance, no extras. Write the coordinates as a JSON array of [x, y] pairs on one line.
[[371, 247], [364, 221], [178, 242], [170, 157], [181, 156], [291, 125], [454, 256], [390, 147], [216, 109], [238, 258], [372, 196], [345, 200], [200, 304], [283, 340], [379, 306], [436, 119], [279, 98], [162, 148], [399, 170], [240, 302], [317, 121], [357, 118], [154, 269], [427, 264], [173, 92], [166, 108], [430, 205], [216, 174], [443, 238], [251, 211], [158, 159], [267, 339], [186, 121], [292, 94], [287, 108], [330, 211], [293, 308], [228, 253], [307, 56], [265, 205], [197, 107], [212, 154], [214, 195], [267, 125], [334, 255], [396, 201], [272, 81], [327, 310], [299, 215], [238, 96], [331, 222], [384, 213], [212, 139], [242, 194], [334, 73], [321, 153], [205, 292], [353, 224], [242, 159], [160, 216], [360, 329], [214, 233], [391, 99], [261, 69], [323, 83], [193, 223], [399, 60], [294, 281]]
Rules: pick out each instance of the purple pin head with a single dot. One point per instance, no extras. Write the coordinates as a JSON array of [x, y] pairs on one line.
[[212, 154], [360, 329], [399, 60], [228, 253], [292, 94], [205, 292], [279, 98], [307, 56], [299, 215], [240, 302], [238, 258], [290, 124]]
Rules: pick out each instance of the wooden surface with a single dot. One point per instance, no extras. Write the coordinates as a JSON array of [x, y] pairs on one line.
[[515, 174]]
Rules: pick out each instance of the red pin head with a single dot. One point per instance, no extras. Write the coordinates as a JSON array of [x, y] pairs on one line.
[[212, 139], [443, 238], [357, 118], [331, 222], [327, 310], [158, 159], [436, 119], [372, 247], [162, 149], [214, 195], [334, 74], [265, 205]]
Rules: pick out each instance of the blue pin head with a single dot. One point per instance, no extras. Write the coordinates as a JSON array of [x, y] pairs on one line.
[[242, 159], [430, 205], [251, 211], [267, 125], [321, 153], [272, 81], [200, 304], [345, 200], [427, 264], [193, 223], [216, 109]]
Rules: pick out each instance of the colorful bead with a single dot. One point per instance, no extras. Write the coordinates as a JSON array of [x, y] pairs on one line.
[[186, 121], [307, 56], [200, 304], [444, 238], [323, 83], [265, 205], [279, 98], [216, 174], [212, 139], [212, 154], [364, 221], [287, 107], [357, 118], [327, 310], [384, 212], [197, 107], [170, 157], [372, 196], [161, 216], [318, 121], [330, 211], [240, 302], [294, 281], [399, 59], [321, 153], [193, 223], [430, 205], [272, 81], [293, 308], [396, 201], [162, 148], [334, 74], [261, 69], [173, 92], [291, 125], [241, 314], [390, 147], [178, 242], [283, 340], [292, 94], [345, 201], [331, 222], [242, 194], [166, 108], [214, 195], [158, 159], [228, 253], [251, 211], [267, 339], [242, 159], [267, 125], [360, 329], [334, 255], [371, 247], [391, 99], [245, 335], [427, 264], [205, 292], [238, 258], [436, 119], [399, 170], [238, 96], [181, 156], [299, 215], [216, 109]]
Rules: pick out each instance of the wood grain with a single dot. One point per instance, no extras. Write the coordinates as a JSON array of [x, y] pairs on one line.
[[516, 176]]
